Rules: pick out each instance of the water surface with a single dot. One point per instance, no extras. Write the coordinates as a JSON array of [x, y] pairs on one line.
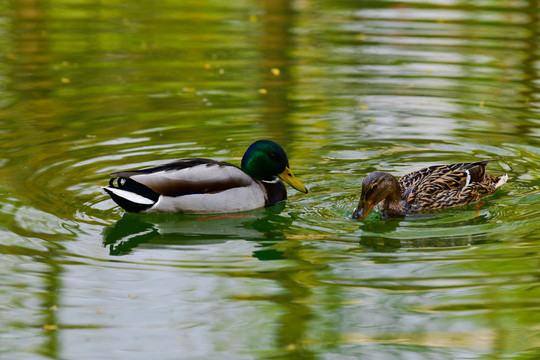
[[346, 87]]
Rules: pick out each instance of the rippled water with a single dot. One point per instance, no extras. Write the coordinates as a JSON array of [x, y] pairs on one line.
[[347, 87]]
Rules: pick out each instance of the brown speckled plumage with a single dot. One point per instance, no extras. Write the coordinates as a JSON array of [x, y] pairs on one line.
[[434, 187]]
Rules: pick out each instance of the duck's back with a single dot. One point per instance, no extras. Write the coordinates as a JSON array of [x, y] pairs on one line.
[[189, 176], [442, 186]]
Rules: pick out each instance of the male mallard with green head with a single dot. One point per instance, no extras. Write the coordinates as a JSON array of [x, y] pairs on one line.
[[198, 185], [435, 187]]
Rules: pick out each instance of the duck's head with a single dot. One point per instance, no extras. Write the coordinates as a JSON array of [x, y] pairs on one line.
[[265, 159], [376, 187]]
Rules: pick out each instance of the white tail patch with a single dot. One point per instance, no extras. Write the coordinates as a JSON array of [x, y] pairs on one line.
[[468, 178], [128, 195], [502, 180]]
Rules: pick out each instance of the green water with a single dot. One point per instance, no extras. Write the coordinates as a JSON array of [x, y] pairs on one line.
[[347, 87]]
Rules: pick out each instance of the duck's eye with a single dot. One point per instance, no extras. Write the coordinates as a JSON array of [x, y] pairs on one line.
[[369, 193]]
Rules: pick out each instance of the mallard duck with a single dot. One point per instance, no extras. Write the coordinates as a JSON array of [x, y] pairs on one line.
[[435, 187], [198, 185]]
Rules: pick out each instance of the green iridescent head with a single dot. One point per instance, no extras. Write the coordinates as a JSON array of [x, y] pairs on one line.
[[265, 159]]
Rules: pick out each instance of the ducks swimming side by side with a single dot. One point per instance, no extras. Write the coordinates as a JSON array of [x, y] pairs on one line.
[[199, 185], [204, 186]]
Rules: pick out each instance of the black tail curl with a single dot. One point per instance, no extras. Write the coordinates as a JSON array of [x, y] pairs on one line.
[[132, 186]]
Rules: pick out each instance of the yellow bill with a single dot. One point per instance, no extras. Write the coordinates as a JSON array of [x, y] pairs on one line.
[[288, 176]]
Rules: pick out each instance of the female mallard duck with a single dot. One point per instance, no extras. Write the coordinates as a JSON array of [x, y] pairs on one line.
[[434, 187], [201, 186]]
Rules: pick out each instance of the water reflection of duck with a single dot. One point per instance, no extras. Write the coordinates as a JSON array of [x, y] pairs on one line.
[[131, 231], [198, 185], [435, 187]]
